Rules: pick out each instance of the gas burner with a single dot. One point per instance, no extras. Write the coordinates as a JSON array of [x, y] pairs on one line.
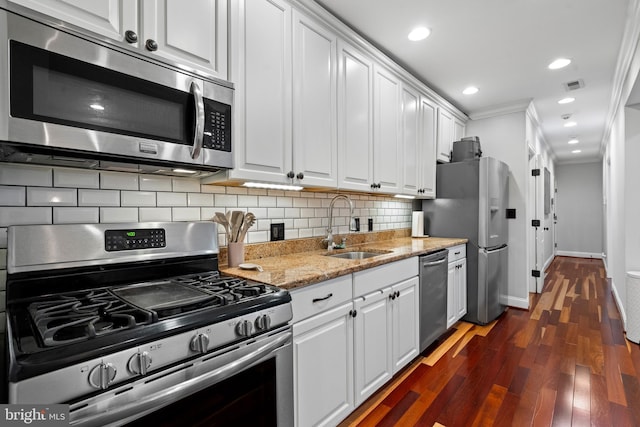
[[84, 315]]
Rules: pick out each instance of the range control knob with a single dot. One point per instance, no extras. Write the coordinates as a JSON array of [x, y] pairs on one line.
[[102, 375], [263, 322], [140, 363], [199, 343], [244, 328]]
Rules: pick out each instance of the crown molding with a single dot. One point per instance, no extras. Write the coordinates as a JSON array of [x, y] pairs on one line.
[[518, 106]]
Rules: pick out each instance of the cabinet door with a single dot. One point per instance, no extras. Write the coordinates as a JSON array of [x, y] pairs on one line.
[[462, 288], [406, 339], [372, 348], [452, 294], [193, 35], [315, 146], [323, 367], [445, 135], [355, 119], [427, 156], [458, 130], [261, 71], [387, 148], [410, 142], [109, 18]]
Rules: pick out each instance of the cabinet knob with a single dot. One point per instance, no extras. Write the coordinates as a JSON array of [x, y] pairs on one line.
[[130, 36], [353, 313], [151, 45], [291, 174], [300, 175]]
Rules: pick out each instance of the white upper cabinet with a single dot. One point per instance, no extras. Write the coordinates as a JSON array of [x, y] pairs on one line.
[[284, 68], [194, 36], [261, 71], [387, 144], [315, 152], [445, 135], [427, 147], [410, 141], [355, 118]]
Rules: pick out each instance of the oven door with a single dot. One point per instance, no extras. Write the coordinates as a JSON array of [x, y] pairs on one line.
[[248, 384], [69, 95]]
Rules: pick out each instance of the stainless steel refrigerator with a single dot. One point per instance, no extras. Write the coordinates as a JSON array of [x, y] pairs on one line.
[[471, 202]]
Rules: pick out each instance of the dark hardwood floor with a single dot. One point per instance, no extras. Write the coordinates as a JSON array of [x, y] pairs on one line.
[[565, 362]]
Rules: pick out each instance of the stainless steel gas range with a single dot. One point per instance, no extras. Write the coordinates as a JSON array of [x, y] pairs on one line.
[[134, 323]]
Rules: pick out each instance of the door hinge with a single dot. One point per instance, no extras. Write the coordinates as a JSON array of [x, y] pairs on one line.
[[535, 172], [535, 223], [535, 273]]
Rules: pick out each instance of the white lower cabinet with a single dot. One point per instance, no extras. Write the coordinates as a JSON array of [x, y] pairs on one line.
[[323, 361], [346, 348], [456, 285]]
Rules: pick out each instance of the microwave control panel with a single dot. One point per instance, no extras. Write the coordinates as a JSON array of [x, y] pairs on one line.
[[217, 126]]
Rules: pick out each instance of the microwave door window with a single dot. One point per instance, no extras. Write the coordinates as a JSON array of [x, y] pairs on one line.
[[53, 88]]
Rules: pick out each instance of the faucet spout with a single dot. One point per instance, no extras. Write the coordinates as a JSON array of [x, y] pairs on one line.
[[329, 238]]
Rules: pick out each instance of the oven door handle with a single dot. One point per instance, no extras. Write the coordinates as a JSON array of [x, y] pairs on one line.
[[198, 131], [184, 389]]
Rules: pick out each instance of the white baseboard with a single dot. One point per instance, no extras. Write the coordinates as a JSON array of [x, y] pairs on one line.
[[518, 302], [548, 263], [579, 254], [616, 298]]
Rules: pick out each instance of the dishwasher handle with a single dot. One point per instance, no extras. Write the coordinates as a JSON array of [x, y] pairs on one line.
[[431, 264]]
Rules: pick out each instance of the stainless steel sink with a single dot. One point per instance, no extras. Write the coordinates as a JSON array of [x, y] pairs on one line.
[[356, 254]]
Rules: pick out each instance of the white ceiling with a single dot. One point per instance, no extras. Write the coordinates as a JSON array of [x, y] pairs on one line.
[[503, 47]]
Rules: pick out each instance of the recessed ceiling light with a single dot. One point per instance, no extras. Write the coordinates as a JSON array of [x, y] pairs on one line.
[[573, 141], [470, 90], [566, 100], [570, 124], [576, 151], [559, 63], [96, 107], [419, 33]]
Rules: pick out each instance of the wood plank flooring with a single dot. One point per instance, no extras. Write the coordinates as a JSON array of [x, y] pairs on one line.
[[564, 362]]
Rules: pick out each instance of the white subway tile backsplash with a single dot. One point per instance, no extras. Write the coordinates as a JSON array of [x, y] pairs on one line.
[[185, 214], [237, 190], [257, 191], [137, 198], [292, 213], [3, 237], [76, 178], [118, 181], [212, 189], [199, 199], [154, 214], [262, 224], [42, 196], [24, 216], [118, 215], [76, 215], [3, 279], [276, 212], [260, 213], [207, 213], [172, 199], [267, 202], [305, 232], [228, 200], [18, 174], [300, 203], [291, 234], [155, 183], [314, 203], [11, 195], [258, 236], [307, 212], [248, 201], [284, 202], [315, 222], [3, 259], [186, 185], [98, 198], [300, 223]]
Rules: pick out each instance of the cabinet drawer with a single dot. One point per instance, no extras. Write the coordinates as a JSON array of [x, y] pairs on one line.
[[457, 252], [375, 278], [314, 299]]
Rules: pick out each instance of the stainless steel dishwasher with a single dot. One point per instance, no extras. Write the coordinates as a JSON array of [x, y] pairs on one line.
[[433, 297]]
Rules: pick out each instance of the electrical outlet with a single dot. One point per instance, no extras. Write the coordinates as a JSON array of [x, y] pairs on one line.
[[511, 213], [277, 231]]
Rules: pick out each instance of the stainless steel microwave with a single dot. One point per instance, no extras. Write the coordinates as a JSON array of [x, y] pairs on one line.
[[66, 95]]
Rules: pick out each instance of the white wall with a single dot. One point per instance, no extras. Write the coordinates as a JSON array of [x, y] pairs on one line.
[[579, 209], [503, 137]]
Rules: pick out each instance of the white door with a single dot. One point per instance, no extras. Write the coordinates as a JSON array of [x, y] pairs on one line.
[[315, 145], [193, 34], [261, 71], [355, 118], [323, 367], [110, 18], [372, 348], [405, 306], [535, 234], [387, 145]]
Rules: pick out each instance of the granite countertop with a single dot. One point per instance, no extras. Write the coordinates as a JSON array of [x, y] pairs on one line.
[[304, 268]]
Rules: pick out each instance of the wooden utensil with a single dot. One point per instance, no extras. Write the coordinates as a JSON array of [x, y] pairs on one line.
[[221, 219], [249, 220], [237, 218]]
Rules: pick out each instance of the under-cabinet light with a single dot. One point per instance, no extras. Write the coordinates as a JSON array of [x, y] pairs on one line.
[[404, 196], [272, 186]]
